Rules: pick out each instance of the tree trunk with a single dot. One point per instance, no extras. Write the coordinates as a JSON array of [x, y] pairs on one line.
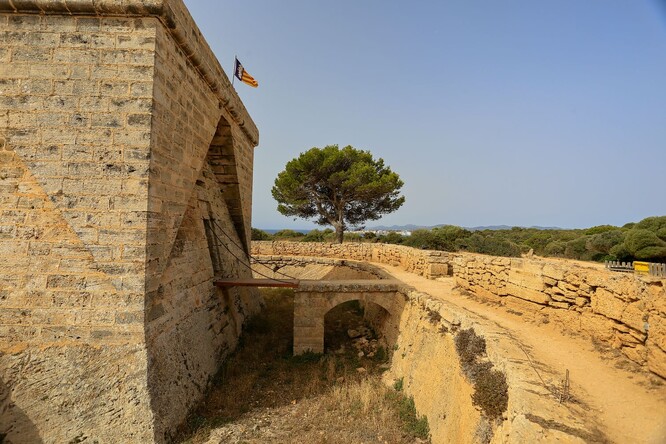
[[340, 233]]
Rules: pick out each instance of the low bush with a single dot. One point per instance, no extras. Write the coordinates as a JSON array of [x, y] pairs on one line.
[[469, 346], [491, 393]]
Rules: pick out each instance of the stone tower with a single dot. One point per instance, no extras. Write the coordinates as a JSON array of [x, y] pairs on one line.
[[125, 188]]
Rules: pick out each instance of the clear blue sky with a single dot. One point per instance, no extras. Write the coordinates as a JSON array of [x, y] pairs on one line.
[[517, 112]]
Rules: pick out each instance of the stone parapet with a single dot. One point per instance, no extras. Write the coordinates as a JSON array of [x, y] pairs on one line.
[[320, 268], [431, 264]]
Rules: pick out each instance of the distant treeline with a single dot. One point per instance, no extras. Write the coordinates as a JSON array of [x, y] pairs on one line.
[[644, 240]]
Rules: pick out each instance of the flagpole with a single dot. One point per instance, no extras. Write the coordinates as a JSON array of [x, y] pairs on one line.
[[233, 71]]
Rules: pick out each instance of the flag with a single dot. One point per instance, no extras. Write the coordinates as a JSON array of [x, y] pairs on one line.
[[243, 76]]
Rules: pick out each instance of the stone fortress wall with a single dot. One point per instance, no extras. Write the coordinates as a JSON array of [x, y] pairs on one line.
[[419, 331], [125, 187], [624, 311]]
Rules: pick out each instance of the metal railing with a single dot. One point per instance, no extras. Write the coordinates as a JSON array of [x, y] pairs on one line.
[[657, 270], [653, 269]]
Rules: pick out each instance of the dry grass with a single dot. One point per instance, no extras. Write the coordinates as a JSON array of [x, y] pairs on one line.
[[264, 394]]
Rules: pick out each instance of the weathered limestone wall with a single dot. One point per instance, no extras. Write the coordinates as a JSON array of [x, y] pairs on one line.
[[430, 264], [121, 141], [427, 363], [74, 107], [424, 357], [623, 311], [199, 207], [191, 325]]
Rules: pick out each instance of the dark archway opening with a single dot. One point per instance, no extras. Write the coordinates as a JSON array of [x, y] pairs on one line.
[[355, 328]]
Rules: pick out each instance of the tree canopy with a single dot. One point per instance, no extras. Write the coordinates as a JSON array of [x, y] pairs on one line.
[[338, 187]]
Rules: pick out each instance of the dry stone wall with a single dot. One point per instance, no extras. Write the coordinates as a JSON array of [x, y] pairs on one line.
[[123, 149], [430, 264], [624, 311]]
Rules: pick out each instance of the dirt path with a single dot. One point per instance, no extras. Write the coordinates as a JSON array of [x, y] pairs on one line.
[[630, 406]]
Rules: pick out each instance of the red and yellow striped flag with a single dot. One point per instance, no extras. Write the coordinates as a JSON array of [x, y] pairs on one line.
[[243, 76]]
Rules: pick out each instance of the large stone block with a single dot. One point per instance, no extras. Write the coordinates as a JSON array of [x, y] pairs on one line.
[[527, 276], [527, 294], [604, 302], [657, 331], [656, 359], [635, 315], [598, 327], [553, 271]]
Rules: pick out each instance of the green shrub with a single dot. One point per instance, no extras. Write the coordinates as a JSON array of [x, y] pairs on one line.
[[469, 346], [259, 235], [370, 236], [654, 223], [417, 426], [391, 238], [317, 235], [603, 242], [490, 388], [433, 316], [620, 252], [645, 244], [381, 355], [491, 393], [577, 249], [600, 229], [555, 248], [289, 234]]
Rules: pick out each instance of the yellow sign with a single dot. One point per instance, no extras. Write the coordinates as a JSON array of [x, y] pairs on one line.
[[641, 267]]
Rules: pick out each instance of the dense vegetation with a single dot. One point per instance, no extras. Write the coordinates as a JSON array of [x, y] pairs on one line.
[[644, 240]]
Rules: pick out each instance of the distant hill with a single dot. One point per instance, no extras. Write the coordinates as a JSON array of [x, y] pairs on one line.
[[408, 227], [412, 227], [508, 227]]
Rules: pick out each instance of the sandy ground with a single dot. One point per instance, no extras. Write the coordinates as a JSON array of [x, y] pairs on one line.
[[630, 405]]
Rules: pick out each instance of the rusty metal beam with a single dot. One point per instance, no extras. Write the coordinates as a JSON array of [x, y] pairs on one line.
[[289, 283]]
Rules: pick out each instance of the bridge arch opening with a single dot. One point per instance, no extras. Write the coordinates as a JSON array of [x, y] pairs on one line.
[[355, 326]]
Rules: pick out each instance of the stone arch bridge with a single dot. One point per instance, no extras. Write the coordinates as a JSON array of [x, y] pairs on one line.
[[326, 283], [383, 301]]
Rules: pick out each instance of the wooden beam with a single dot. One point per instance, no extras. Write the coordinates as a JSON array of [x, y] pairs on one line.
[[290, 283]]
